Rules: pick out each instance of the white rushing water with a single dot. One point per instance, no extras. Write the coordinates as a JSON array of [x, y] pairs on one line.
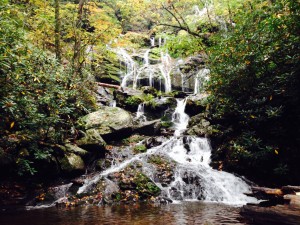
[[134, 72], [140, 113], [201, 77], [194, 179], [179, 118], [130, 66], [152, 41], [166, 68]]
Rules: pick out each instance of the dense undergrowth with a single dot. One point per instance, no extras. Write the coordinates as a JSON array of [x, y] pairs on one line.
[[254, 91], [40, 99]]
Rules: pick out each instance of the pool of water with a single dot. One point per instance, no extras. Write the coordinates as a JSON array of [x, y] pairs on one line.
[[133, 214]]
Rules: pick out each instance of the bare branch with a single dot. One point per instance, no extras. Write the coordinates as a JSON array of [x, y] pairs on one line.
[[175, 17]]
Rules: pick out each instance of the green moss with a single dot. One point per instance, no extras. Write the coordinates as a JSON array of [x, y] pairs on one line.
[[133, 139], [133, 101], [145, 186], [166, 124], [140, 148]]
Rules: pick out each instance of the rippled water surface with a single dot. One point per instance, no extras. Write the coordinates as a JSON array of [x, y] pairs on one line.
[[139, 214]]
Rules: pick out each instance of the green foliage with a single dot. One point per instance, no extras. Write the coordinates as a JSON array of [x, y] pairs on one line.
[[133, 100], [254, 88], [39, 99], [183, 45], [140, 148], [145, 186]]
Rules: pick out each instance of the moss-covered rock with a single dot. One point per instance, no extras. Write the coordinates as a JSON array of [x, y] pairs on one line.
[[194, 107], [91, 138], [72, 163], [140, 148], [199, 126], [107, 122], [70, 148]]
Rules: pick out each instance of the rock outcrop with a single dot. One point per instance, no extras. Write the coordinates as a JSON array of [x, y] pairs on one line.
[[107, 122]]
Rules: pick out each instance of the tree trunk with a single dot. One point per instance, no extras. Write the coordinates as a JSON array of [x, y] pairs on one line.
[[57, 32], [77, 45]]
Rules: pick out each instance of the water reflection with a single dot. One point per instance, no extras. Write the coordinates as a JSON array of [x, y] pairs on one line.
[[137, 214]]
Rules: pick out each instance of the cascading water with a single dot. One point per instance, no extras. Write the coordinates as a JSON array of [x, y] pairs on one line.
[[113, 103], [200, 78], [146, 57], [152, 41], [166, 68], [131, 67], [193, 178], [179, 118], [140, 112]]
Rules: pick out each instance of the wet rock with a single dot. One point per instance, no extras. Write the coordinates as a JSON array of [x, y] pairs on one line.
[[149, 90], [164, 200], [128, 99], [199, 126], [72, 163], [154, 141], [75, 149], [179, 94], [91, 140], [107, 122], [164, 169], [194, 107], [148, 127], [176, 194]]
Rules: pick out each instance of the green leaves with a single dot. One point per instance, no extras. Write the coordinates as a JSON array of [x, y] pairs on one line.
[[39, 98], [254, 86]]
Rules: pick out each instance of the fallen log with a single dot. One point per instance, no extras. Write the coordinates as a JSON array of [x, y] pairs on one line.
[[109, 85], [290, 189], [280, 214], [267, 191], [294, 201]]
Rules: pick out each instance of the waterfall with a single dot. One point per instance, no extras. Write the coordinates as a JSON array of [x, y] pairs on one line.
[[200, 78], [193, 178], [146, 57], [146, 65], [152, 41], [130, 65], [140, 112], [179, 118], [113, 103], [166, 68]]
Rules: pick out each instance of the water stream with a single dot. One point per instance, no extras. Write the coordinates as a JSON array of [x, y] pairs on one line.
[[187, 213], [205, 195], [194, 179]]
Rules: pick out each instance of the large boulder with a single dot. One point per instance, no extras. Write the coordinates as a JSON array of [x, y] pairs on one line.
[[194, 107], [75, 149], [148, 127], [72, 163], [91, 140], [199, 126], [107, 122]]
